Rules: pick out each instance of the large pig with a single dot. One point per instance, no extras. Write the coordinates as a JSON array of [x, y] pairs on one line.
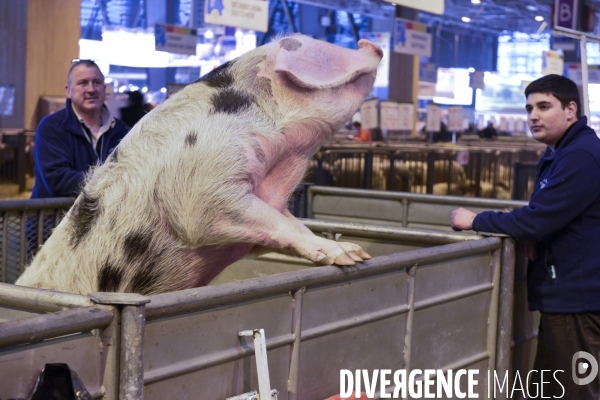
[[205, 177]]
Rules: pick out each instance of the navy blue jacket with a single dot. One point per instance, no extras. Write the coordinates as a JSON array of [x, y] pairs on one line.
[[563, 216], [63, 154]]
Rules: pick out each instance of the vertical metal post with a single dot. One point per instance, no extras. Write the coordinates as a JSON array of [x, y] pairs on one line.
[[4, 246], [410, 294], [22, 242], [262, 366], [404, 213], [295, 347], [309, 203], [584, 77], [493, 317], [505, 312], [133, 321]]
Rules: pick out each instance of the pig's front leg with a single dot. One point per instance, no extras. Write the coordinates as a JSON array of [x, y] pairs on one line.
[[262, 225]]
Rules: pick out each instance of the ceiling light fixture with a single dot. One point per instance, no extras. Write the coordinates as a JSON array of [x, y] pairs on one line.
[[466, 19], [476, 1], [539, 18]]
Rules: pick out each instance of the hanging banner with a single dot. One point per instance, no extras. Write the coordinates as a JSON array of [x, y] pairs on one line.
[[368, 114], [552, 62], [175, 39], [434, 118], [455, 118], [411, 37], [247, 14]]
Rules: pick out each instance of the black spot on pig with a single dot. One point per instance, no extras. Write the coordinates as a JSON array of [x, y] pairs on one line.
[[290, 44], [84, 214], [219, 78], [109, 277], [231, 101], [136, 246], [146, 279], [191, 139]]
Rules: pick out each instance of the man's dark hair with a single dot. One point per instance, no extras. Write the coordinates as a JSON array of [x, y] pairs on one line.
[[77, 62], [564, 89]]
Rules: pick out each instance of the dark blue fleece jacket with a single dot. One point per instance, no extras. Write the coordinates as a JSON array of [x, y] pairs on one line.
[[63, 153], [563, 216]]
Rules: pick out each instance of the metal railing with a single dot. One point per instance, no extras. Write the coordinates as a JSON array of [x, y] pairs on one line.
[[388, 312], [26, 225], [467, 171]]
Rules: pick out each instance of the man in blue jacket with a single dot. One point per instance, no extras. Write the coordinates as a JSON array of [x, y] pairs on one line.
[[70, 141], [560, 233]]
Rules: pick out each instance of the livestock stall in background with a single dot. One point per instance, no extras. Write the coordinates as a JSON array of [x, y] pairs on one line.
[[426, 300], [502, 171], [446, 298]]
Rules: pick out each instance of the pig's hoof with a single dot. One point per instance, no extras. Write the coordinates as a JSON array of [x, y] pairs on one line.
[[355, 251], [345, 259]]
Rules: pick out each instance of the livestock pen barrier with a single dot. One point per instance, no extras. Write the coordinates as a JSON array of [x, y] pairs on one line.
[[427, 300], [487, 172]]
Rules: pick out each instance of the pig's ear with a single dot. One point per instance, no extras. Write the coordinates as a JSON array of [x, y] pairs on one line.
[[314, 67]]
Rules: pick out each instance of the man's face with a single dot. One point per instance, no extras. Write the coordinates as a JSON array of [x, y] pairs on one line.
[[547, 119], [86, 89]]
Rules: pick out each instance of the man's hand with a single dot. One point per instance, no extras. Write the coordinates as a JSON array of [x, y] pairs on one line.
[[526, 248], [462, 219]]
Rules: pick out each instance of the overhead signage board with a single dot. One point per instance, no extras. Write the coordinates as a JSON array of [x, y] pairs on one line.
[[175, 39], [432, 6], [565, 13], [574, 73], [411, 37], [552, 62], [428, 72], [247, 14]]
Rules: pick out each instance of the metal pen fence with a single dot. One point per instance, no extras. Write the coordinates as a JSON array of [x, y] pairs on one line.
[[26, 225], [440, 305], [16, 156], [474, 171]]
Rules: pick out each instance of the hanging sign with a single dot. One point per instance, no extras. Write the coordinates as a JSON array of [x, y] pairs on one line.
[[175, 39], [368, 114], [406, 116], [574, 73], [390, 115], [411, 37], [247, 14], [434, 118], [476, 80], [432, 6], [455, 118], [552, 62], [565, 13]]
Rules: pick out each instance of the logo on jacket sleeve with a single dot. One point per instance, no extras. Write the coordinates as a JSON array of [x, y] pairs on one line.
[[543, 183]]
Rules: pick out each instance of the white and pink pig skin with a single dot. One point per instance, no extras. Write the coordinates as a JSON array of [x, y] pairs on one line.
[[205, 177]]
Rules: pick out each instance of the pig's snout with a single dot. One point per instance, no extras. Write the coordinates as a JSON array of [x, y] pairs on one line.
[[370, 48]]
